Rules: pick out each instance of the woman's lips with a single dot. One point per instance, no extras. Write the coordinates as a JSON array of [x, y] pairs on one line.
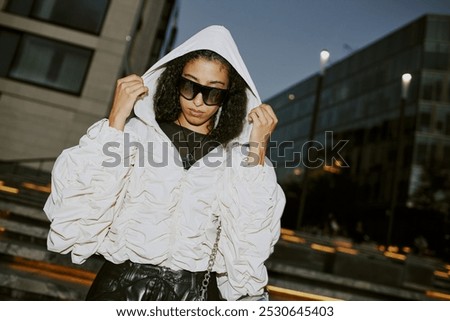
[[196, 113]]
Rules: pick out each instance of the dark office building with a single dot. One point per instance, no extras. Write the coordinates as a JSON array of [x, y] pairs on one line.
[[361, 104]]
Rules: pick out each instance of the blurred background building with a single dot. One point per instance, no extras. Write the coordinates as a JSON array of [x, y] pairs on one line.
[[381, 152], [60, 61]]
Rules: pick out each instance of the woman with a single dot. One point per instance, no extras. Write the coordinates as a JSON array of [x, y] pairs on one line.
[[179, 191]]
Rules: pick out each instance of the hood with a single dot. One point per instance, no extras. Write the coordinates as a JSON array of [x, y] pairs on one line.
[[214, 38]]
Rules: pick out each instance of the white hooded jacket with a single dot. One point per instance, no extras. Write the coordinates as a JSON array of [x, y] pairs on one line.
[[126, 196]]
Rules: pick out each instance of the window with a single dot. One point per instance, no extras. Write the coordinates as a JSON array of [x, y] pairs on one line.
[[437, 56], [43, 61], [84, 15], [432, 87], [424, 121], [447, 125], [438, 28]]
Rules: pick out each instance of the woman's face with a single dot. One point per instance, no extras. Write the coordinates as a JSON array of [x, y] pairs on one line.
[[195, 114]]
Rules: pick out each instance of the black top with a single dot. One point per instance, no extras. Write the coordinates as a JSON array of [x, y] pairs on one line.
[[191, 145]]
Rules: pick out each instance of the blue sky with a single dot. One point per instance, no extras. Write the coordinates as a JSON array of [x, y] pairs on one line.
[[280, 40]]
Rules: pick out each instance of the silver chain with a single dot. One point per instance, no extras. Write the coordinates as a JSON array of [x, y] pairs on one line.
[[212, 258]]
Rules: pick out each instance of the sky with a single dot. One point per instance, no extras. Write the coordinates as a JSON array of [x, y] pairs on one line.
[[280, 40]]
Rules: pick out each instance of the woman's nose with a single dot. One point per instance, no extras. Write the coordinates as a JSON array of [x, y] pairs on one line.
[[198, 100]]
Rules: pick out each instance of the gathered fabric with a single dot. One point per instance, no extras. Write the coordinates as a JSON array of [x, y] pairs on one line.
[[165, 216]]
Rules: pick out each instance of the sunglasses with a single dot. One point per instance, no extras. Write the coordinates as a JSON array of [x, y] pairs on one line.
[[211, 96]]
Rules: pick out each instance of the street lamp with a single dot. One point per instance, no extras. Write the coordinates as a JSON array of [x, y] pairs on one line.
[[406, 81], [324, 57]]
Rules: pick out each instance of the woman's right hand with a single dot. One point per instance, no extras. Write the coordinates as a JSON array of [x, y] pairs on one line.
[[128, 90]]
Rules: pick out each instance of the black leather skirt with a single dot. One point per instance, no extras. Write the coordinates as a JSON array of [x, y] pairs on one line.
[[130, 281]]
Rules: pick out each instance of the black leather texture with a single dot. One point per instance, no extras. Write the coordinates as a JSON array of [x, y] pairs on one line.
[[130, 281]]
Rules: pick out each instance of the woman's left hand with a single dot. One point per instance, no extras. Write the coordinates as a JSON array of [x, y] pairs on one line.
[[264, 122]]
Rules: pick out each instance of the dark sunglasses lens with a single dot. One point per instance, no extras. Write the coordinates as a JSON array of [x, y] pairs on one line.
[[213, 96], [187, 89]]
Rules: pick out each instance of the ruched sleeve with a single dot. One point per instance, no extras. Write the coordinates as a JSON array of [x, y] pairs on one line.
[[251, 204], [88, 184]]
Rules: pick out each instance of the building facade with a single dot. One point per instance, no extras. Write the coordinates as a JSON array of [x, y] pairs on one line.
[[60, 61], [357, 134]]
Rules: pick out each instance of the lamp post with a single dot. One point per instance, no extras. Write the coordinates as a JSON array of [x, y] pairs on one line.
[[406, 80], [324, 57]]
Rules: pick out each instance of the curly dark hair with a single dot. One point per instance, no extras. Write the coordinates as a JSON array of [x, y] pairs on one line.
[[167, 98]]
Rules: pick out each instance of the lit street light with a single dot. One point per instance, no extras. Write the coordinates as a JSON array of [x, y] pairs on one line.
[[406, 80], [324, 57]]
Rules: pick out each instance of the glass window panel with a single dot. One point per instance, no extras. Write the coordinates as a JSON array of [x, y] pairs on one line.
[[20, 7], [424, 121], [432, 87], [447, 124], [9, 41], [437, 56], [50, 63], [446, 95], [84, 15], [438, 29], [446, 152]]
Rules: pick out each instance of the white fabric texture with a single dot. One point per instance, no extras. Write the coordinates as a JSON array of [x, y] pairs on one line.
[[126, 196]]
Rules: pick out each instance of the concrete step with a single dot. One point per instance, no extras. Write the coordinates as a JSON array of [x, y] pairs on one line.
[[28, 270], [25, 197], [25, 278], [23, 210], [24, 173], [19, 224], [19, 246], [23, 189], [332, 286], [303, 264]]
